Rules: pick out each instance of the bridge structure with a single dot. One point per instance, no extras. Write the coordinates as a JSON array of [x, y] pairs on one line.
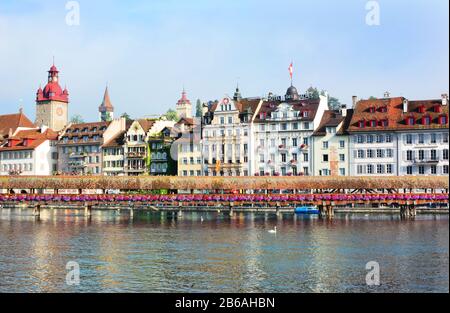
[[229, 195]]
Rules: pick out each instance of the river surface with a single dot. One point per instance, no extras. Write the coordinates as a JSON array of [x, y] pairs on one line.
[[151, 253]]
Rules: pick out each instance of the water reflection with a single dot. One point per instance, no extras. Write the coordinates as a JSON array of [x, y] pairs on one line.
[[214, 252]]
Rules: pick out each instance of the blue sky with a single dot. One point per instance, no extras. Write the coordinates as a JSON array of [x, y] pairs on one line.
[[148, 50]]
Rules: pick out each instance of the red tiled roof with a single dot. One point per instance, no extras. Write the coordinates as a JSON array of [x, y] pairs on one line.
[[12, 122], [310, 105], [391, 111], [29, 139], [116, 141], [146, 124]]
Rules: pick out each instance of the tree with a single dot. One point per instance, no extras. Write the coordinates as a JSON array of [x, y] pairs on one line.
[[76, 119], [108, 117], [199, 109], [126, 116], [171, 115], [314, 92], [334, 103], [373, 98]]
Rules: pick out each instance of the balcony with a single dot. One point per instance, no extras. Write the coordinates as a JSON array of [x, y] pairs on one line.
[[77, 164], [76, 155], [136, 155], [135, 168], [426, 161]]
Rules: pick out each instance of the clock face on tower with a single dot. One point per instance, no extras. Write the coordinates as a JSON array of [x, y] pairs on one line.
[[59, 111]]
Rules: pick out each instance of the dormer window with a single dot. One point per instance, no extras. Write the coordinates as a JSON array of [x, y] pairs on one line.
[[361, 124], [426, 120], [305, 114], [331, 130], [372, 109], [443, 120], [438, 109], [421, 109], [410, 121], [384, 123], [383, 109], [373, 123]]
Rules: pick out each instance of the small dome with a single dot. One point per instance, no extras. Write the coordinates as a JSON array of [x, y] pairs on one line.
[[292, 93]]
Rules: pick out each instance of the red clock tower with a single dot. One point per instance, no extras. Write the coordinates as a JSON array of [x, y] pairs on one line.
[[52, 103]]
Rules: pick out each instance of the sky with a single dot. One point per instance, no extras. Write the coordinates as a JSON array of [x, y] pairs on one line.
[[147, 51]]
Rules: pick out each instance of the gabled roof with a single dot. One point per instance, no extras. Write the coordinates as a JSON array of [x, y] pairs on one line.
[[117, 141], [12, 122], [334, 118], [146, 124]]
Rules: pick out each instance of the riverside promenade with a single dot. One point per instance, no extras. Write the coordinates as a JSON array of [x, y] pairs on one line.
[[406, 195]]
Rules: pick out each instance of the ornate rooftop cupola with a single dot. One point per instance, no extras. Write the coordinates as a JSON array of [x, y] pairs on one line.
[[237, 94], [184, 106], [106, 109], [52, 103]]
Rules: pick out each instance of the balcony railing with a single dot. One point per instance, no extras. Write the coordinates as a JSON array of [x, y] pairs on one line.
[[137, 155], [77, 155], [426, 160]]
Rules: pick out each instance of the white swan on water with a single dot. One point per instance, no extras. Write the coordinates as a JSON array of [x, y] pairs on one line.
[[201, 219], [273, 231]]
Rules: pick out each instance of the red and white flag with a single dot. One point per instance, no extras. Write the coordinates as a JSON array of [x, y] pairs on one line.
[[291, 70]]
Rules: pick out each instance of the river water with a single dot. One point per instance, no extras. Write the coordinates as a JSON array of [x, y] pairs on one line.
[[153, 253]]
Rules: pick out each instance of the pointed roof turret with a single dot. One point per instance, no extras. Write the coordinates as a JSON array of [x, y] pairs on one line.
[[106, 105]]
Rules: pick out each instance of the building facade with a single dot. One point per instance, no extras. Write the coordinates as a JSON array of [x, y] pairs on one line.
[[29, 152], [394, 136], [187, 148], [160, 161], [283, 127], [227, 137], [330, 144]]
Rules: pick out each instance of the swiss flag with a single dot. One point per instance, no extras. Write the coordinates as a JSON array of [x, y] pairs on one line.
[[291, 69]]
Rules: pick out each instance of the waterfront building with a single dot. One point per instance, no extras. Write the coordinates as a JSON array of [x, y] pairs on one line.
[[80, 146], [114, 154], [52, 103], [29, 152], [106, 109], [395, 136], [227, 136], [160, 161], [136, 144], [330, 144], [188, 147], [10, 123], [184, 106], [282, 129]]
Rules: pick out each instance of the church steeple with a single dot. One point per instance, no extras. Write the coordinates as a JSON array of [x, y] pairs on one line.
[[106, 109], [184, 106], [237, 94]]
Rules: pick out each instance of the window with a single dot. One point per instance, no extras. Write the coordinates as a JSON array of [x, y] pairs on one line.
[[284, 126], [230, 120], [380, 153], [433, 155], [306, 125], [445, 137], [380, 138], [360, 154], [305, 157], [261, 158], [421, 155], [426, 120], [325, 157], [342, 157], [359, 139], [421, 170], [295, 126], [342, 171], [409, 155], [331, 130], [445, 154], [433, 138], [342, 144], [421, 139], [388, 138], [445, 169], [389, 168], [369, 139], [294, 156], [389, 153], [380, 169], [283, 157], [409, 170], [433, 169], [409, 139], [370, 154], [360, 169], [325, 144], [222, 120], [369, 169], [294, 142], [361, 124]]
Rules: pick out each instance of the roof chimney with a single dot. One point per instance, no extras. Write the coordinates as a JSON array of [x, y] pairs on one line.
[[444, 99], [354, 101], [405, 105], [344, 110], [387, 94]]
